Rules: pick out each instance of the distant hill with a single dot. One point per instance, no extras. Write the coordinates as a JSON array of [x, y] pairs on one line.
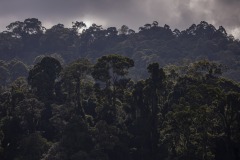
[[152, 43]]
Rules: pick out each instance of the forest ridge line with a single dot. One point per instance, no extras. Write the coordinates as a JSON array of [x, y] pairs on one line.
[[28, 40]]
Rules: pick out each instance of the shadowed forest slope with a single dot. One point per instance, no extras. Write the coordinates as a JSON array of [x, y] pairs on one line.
[[113, 94], [28, 40]]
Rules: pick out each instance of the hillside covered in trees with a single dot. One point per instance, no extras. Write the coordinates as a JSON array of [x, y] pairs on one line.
[[29, 40], [115, 94]]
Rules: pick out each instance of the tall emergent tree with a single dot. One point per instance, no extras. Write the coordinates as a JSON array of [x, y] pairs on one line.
[[73, 77], [110, 70], [42, 78]]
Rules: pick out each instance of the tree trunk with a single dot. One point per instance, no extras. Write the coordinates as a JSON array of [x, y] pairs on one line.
[[79, 99]]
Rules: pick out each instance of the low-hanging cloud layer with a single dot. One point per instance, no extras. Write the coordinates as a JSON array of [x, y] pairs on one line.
[[133, 13]]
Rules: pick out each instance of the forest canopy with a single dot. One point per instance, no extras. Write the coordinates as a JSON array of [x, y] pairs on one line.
[[28, 40], [117, 94]]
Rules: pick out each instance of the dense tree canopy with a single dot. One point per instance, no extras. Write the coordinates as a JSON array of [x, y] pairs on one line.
[[116, 94], [153, 43]]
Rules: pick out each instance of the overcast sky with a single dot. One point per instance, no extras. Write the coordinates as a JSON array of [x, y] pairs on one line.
[[133, 13]]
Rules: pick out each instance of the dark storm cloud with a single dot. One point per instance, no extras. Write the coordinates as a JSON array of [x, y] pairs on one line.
[[54, 11], [227, 12], [133, 13]]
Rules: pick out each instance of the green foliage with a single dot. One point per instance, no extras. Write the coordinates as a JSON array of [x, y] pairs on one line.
[[112, 66], [42, 77], [4, 75], [32, 147], [28, 112], [18, 69], [169, 106], [76, 81]]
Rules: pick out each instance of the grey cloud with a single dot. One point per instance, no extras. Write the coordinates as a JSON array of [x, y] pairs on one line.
[[229, 1], [133, 13]]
